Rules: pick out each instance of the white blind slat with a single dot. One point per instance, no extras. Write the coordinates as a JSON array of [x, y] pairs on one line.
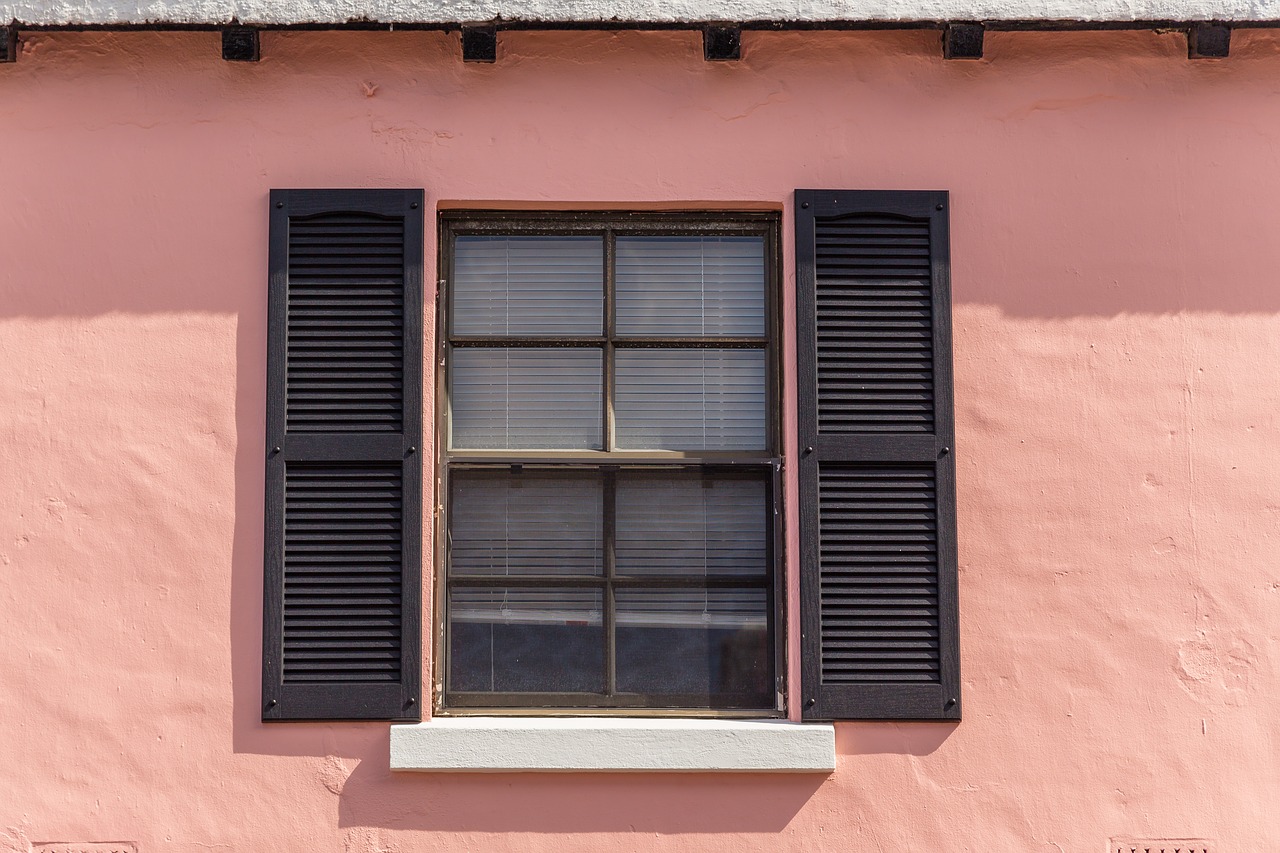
[[524, 606], [526, 398], [690, 286], [528, 285], [709, 526], [691, 608], [522, 524], [673, 399]]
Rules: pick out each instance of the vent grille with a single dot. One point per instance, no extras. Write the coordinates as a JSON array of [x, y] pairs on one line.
[[874, 325], [342, 563], [879, 573], [345, 324]]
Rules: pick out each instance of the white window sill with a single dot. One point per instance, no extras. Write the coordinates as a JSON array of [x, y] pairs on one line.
[[574, 744]]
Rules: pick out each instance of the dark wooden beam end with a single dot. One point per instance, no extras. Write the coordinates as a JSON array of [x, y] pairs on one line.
[[962, 41], [722, 44], [8, 44], [1208, 41], [240, 44], [479, 44]]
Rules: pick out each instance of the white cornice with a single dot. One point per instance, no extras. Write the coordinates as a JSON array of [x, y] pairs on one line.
[[284, 12]]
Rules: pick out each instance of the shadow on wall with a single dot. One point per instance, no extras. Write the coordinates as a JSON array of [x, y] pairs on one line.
[[892, 738], [351, 759], [1095, 173], [659, 803]]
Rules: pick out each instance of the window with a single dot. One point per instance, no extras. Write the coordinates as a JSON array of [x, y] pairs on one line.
[[609, 462]]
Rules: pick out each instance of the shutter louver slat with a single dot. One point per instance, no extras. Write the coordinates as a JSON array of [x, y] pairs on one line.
[[341, 615], [874, 332], [878, 582], [875, 581], [344, 362]]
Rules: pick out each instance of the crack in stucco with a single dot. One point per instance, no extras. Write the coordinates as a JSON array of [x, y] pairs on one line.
[[769, 100]]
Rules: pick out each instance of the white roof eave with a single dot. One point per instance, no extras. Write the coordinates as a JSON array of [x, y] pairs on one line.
[[605, 12]]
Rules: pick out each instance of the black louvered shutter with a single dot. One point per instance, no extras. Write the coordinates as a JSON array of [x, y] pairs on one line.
[[879, 612], [342, 601]]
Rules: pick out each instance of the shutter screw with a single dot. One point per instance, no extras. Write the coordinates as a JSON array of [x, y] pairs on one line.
[[279, 204], [272, 703], [951, 701], [808, 450], [809, 703], [409, 701], [805, 205], [275, 450], [945, 451], [939, 207], [413, 449], [413, 205]]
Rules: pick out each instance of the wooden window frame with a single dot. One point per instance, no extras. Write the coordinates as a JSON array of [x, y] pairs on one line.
[[767, 464]]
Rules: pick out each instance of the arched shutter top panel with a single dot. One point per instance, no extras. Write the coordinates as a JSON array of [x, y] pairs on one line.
[[877, 469], [874, 323], [345, 323], [342, 597]]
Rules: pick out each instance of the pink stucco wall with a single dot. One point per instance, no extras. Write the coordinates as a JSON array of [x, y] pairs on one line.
[[1117, 339]]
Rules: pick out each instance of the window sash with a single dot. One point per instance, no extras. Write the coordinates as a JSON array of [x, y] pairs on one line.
[[611, 227], [761, 462], [612, 582]]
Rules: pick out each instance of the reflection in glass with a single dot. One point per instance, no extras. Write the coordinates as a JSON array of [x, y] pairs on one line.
[[526, 640], [525, 524], [540, 285], [506, 399], [690, 286], [690, 399], [709, 525], [703, 642]]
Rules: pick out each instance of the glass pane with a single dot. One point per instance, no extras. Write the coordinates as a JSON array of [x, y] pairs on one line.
[[528, 285], [690, 286], [690, 525], [504, 399], [681, 399], [705, 642], [525, 524], [526, 640]]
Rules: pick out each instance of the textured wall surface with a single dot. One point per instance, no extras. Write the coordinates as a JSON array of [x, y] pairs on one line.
[[436, 11], [1117, 335]]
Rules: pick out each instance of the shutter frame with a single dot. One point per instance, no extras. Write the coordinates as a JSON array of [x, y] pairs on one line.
[[861, 451], [399, 452]]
